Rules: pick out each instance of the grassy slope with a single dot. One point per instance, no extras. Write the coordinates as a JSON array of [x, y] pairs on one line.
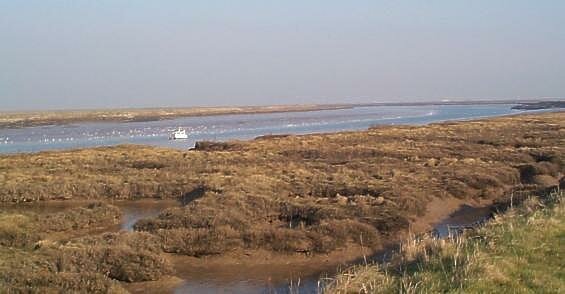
[[520, 251]]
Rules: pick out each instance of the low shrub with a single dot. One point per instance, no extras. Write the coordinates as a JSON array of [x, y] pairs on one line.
[[199, 241], [26, 281], [17, 230], [121, 263], [93, 215]]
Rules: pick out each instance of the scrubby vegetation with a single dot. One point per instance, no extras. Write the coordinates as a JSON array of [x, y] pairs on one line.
[[311, 193], [33, 261], [93, 215], [25, 229], [518, 251], [215, 224], [18, 230]]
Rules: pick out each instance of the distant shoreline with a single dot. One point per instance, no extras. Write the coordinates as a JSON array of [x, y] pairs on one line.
[[23, 119], [541, 105]]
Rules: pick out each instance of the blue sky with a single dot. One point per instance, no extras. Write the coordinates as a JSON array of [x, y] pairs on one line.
[[93, 54]]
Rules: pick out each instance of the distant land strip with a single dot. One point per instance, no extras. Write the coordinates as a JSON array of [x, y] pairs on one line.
[[22, 119], [540, 105], [59, 117]]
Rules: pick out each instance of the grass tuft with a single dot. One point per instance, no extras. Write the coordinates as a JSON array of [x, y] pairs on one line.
[[517, 251]]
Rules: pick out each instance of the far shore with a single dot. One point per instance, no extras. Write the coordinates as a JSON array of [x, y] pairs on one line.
[[60, 117], [22, 119]]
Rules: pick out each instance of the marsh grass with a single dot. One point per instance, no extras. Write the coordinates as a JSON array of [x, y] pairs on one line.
[[518, 251], [95, 214], [310, 194], [40, 253], [18, 230]]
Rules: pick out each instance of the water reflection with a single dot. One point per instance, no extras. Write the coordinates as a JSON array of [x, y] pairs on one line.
[[133, 211], [466, 216]]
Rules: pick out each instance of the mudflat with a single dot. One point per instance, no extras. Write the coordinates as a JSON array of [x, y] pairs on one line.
[[295, 196], [58, 117]]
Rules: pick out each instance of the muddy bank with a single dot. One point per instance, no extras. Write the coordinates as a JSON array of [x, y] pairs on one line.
[[43, 118]]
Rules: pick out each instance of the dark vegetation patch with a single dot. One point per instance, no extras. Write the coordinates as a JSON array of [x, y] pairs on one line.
[[148, 164], [190, 196], [269, 137], [216, 146]]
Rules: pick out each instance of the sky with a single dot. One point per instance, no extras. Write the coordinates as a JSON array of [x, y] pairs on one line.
[[118, 53]]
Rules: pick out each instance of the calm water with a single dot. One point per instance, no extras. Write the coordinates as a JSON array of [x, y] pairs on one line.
[[226, 127]]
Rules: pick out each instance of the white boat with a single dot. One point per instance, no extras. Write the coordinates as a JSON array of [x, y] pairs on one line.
[[179, 134]]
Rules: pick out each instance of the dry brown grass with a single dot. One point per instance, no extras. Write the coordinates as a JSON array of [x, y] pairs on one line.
[[311, 193], [25, 229], [32, 260], [17, 230], [94, 215]]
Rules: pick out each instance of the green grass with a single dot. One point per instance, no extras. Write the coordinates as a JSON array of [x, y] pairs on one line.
[[520, 251]]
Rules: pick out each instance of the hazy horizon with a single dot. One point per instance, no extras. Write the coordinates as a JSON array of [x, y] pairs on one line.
[[133, 54]]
